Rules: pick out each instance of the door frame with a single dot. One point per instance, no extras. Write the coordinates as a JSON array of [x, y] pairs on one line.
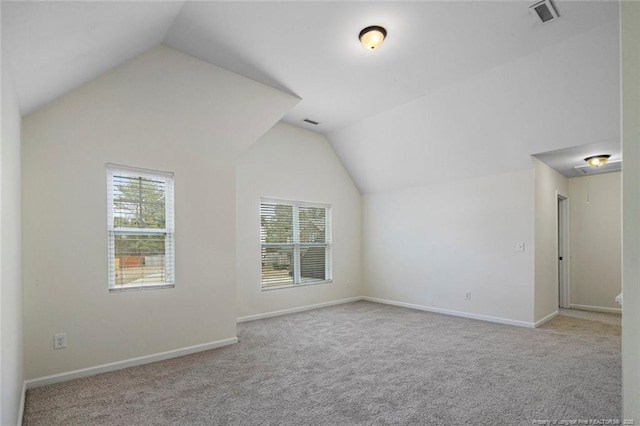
[[562, 250]]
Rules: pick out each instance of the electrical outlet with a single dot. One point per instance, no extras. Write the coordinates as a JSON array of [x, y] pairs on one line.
[[60, 341], [467, 296]]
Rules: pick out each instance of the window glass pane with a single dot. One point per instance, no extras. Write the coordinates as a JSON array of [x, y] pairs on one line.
[[277, 266], [276, 223], [312, 224], [138, 202], [295, 239], [140, 227], [139, 259], [312, 264]]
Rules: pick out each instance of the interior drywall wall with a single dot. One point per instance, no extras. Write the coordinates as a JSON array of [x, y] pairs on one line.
[[11, 352], [549, 184], [596, 240], [631, 208], [290, 163], [431, 245], [164, 111]]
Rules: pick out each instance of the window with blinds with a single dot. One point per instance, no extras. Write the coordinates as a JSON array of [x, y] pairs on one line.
[[295, 243], [140, 226]]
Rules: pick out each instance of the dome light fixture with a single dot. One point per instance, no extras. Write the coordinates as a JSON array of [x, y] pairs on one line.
[[372, 37], [597, 160]]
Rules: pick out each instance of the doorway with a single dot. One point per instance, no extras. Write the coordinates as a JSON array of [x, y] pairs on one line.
[[563, 251]]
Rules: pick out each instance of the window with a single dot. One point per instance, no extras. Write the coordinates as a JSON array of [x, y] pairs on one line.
[[140, 228], [296, 243]]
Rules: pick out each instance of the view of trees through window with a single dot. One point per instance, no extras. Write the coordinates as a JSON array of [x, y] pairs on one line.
[[294, 244], [139, 224]]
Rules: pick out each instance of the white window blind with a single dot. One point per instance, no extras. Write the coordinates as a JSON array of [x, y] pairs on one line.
[[140, 226], [295, 243]]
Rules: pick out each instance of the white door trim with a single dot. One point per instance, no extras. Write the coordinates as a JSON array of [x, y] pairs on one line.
[[563, 250]]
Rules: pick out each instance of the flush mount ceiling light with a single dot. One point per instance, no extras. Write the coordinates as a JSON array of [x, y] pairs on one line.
[[372, 37], [597, 160]]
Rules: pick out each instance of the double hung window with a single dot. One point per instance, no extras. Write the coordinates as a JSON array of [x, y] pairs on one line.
[[140, 228], [295, 243]]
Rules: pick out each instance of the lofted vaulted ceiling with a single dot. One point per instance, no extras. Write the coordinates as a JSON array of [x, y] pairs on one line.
[[54, 47], [459, 89]]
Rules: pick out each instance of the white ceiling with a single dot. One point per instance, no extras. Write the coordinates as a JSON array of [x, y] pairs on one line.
[[463, 80], [565, 95], [566, 160], [312, 48], [54, 47]]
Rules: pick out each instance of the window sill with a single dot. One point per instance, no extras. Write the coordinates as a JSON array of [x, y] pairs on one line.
[[139, 287], [296, 285]]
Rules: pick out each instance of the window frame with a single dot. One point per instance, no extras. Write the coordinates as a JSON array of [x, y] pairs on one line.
[[296, 245], [168, 231]]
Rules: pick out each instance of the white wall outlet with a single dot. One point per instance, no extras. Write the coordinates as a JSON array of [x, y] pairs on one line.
[[520, 246], [467, 296], [60, 341]]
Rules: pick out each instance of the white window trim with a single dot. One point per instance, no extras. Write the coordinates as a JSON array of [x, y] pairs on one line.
[[169, 231], [296, 243]]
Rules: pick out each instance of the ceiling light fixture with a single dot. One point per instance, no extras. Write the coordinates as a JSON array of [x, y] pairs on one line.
[[597, 160], [372, 37]]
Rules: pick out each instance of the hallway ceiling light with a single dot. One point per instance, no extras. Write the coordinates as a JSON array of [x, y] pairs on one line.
[[372, 37], [597, 160]]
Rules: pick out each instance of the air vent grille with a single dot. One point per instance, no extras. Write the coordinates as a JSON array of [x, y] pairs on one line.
[[544, 11]]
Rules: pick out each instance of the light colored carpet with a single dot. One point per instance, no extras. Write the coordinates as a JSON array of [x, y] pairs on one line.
[[356, 364], [615, 319]]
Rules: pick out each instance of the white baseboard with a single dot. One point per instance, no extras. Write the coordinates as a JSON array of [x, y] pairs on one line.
[[453, 313], [298, 309], [23, 398], [547, 318], [119, 365], [596, 309]]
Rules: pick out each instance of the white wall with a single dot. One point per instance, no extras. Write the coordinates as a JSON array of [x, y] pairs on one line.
[[430, 245], [596, 240], [294, 164], [631, 208], [11, 353], [162, 110], [549, 184]]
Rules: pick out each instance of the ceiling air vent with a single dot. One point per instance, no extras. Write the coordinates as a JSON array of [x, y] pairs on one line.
[[306, 120], [582, 169], [544, 11]]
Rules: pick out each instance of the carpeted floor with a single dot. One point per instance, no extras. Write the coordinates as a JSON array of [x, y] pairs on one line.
[[615, 319], [360, 364]]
